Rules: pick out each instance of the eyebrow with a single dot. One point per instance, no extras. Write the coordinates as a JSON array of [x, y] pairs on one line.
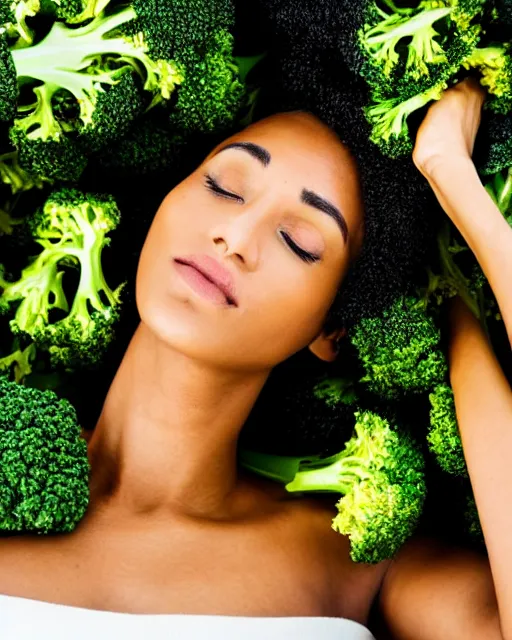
[[314, 200], [260, 153], [308, 197]]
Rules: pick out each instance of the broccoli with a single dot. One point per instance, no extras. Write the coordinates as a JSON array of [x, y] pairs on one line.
[[12, 174], [71, 227], [179, 29], [495, 65], [73, 11], [387, 33], [382, 40], [43, 146], [380, 476], [452, 280], [13, 19], [443, 437], [149, 147], [400, 350], [19, 362], [212, 92], [499, 187], [90, 63], [388, 118], [44, 471]]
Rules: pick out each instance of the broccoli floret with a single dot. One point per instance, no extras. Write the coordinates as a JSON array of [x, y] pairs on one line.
[[149, 147], [443, 437], [89, 63], [400, 350], [452, 279], [13, 19], [44, 471], [73, 11], [212, 93], [383, 39], [19, 362], [43, 146], [178, 30], [8, 82], [380, 476], [71, 227], [495, 65], [388, 118], [12, 174]]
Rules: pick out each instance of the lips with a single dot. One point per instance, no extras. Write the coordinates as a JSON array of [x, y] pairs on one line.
[[209, 278]]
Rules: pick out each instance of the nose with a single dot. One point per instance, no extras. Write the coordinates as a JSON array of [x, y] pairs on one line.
[[238, 237]]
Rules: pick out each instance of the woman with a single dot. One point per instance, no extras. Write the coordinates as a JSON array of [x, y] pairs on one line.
[[273, 220]]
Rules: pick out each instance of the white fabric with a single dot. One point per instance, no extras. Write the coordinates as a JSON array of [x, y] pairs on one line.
[[25, 619]]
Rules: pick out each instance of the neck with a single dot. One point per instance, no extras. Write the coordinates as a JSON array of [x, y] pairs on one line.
[[167, 435]]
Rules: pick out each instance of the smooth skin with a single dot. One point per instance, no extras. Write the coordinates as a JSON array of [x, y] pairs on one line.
[[173, 524]]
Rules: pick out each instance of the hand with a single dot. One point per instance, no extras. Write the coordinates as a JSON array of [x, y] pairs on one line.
[[449, 129]]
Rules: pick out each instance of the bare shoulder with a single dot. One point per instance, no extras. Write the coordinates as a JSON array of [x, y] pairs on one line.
[[433, 590]]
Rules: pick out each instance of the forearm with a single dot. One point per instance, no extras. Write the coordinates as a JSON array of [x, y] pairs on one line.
[[463, 197], [483, 401]]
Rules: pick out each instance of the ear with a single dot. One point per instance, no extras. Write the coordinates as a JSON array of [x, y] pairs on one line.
[[326, 347]]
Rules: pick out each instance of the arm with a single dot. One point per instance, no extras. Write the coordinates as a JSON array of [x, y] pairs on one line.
[[431, 591], [443, 155]]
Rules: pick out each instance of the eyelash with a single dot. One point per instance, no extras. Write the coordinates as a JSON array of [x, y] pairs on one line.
[[213, 186]]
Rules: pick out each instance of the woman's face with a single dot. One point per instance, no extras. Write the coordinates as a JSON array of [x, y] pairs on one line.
[[244, 257]]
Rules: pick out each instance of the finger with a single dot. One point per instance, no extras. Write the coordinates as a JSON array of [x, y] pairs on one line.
[[473, 86]]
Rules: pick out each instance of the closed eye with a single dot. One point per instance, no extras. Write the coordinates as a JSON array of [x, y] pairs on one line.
[[213, 186], [299, 251]]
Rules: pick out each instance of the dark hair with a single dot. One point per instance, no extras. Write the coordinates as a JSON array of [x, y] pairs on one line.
[[306, 70]]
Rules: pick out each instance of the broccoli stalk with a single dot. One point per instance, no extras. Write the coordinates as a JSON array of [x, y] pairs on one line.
[[12, 174], [19, 361], [383, 39], [389, 120], [380, 477], [43, 144], [71, 228], [500, 189], [66, 58], [13, 19]]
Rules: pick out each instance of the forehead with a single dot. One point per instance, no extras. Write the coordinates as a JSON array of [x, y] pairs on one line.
[[303, 147]]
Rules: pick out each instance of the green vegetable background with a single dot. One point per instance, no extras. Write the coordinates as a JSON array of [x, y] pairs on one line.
[[106, 105]]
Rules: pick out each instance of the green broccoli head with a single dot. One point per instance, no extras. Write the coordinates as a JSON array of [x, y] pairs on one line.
[[495, 65], [380, 476], [14, 175], [212, 93], [179, 29], [44, 470], [19, 362], [71, 227], [443, 437], [8, 82], [388, 118], [73, 11], [400, 350], [44, 148], [384, 35]]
